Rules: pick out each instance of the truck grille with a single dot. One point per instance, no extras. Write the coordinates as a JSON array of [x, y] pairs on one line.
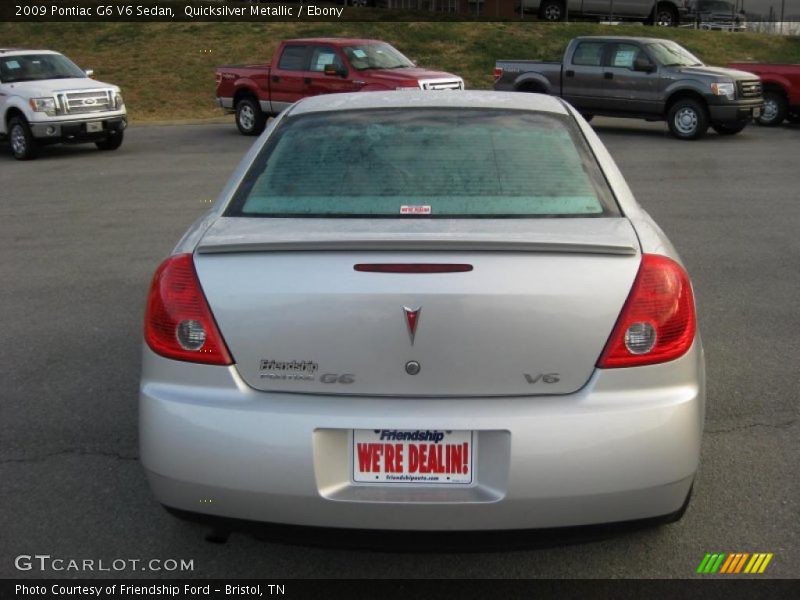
[[749, 89], [442, 84], [88, 101]]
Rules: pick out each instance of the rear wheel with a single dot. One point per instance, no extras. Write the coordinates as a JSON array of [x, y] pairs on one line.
[[729, 128], [775, 109], [23, 144], [665, 15], [687, 119], [249, 118], [112, 142], [552, 10]]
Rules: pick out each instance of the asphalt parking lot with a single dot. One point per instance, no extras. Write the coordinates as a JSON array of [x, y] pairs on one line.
[[81, 232]]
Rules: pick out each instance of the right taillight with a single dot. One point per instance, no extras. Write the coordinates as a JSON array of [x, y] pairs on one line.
[[178, 323], [657, 323], [497, 73]]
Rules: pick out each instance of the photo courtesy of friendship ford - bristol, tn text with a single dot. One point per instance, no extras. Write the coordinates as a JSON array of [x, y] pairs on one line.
[[427, 288]]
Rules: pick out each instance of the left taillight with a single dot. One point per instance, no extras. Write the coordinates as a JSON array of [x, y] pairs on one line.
[[498, 73], [178, 323], [657, 323]]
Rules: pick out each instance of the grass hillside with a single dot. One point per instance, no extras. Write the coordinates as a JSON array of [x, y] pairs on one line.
[[166, 70]]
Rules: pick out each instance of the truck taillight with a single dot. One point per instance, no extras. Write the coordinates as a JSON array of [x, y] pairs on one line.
[[657, 323], [498, 73], [218, 77], [178, 323]]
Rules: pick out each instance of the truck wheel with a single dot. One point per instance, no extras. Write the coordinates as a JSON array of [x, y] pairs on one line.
[[729, 128], [552, 10], [665, 15], [112, 142], [23, 144], [687, 119], [774, 111], [249, 118]]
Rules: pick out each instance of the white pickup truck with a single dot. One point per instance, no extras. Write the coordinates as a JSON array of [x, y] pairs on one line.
[[46, 99]]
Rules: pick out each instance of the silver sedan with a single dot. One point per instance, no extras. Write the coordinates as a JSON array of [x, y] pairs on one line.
[[424, 311]]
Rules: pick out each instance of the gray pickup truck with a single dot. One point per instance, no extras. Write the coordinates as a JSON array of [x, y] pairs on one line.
[[647, 78]]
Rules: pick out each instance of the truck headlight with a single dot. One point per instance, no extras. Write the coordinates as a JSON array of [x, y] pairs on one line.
[[723, 89], [118, 102], [45, 105]]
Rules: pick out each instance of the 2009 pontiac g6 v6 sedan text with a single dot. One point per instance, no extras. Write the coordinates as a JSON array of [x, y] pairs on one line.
[[425, 312]]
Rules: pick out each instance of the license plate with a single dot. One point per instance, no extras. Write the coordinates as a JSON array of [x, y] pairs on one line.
[[94, 127], [756, 113], [412, 456]]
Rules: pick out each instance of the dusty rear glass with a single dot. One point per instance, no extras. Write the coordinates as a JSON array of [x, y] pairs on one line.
[[424, 163]]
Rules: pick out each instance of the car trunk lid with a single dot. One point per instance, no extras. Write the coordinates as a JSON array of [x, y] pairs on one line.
[[531, 317]]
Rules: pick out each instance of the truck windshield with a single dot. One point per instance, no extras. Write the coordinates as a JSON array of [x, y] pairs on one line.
[[376, 56], [425, 162], [670, 54], [35, 67]]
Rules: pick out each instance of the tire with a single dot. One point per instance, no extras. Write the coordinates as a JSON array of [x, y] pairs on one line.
[[23, 144], [587, 118], [687, 119], [112, 142], [552, 10], [250, 120], [775, 109], [664, 15], [793, 118], [729, 128]]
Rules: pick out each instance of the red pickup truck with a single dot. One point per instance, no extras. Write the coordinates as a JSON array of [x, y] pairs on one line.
[[781, 85], [308, 67]]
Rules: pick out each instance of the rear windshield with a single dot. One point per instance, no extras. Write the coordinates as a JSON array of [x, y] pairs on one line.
[[424, 163]]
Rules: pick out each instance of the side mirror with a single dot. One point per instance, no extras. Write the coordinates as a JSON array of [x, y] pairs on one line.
[[641, 63], [334, 71], [89, 73]]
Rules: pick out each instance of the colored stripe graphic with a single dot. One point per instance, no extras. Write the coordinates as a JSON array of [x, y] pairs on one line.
[[703, 563], [741, 562], [727, 564], [731, 565], [711, 563], [734, 563], [765, 563]]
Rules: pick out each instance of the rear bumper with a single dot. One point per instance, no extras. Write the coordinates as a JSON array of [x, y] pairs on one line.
[[76, 131], [625, 447]]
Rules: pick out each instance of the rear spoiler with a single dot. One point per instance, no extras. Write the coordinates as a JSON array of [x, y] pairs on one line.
[[589, 236]]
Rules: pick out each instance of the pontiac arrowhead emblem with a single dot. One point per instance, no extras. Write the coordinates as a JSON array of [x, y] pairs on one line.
[[412, 320]]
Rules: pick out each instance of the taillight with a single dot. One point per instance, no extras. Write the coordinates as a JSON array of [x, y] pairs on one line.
[[178, 322], [657, 323], [498, 73], [218, 77]]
